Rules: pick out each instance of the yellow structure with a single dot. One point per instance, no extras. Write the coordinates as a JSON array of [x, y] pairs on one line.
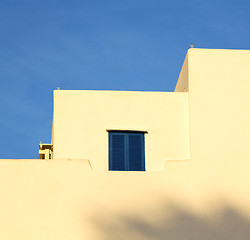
[[82, 118], [197, 162]]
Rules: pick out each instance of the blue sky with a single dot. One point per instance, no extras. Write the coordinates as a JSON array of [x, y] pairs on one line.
[[102, 44]]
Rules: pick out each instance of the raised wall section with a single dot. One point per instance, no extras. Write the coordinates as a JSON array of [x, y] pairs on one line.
[[219, 102], [182, 83], [81, 119]]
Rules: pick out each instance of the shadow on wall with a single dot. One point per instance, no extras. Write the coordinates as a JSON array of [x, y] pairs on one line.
[[226, 224]]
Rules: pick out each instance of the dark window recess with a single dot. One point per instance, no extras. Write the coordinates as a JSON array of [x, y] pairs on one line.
[[126, 151]]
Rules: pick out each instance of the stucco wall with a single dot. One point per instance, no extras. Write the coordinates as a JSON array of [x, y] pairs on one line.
[[65, 199], [219, 99], [182, 83], [206, 197], [81, 119]]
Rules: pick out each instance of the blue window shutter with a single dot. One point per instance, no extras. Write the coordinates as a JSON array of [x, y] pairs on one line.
[[136, 152], [126, 151], [117, 151]]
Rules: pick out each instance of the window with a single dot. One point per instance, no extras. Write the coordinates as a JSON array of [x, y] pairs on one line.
[[126, 151]]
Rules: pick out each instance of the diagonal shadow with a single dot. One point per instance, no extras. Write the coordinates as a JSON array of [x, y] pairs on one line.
[[226, 224]]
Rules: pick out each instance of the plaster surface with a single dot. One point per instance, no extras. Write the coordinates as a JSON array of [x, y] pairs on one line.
[[197, 159]]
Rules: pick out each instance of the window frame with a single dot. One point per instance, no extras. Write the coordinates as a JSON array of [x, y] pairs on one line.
[[126, 134]]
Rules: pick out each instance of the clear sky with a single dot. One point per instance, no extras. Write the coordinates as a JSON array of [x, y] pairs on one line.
[[99, 44]]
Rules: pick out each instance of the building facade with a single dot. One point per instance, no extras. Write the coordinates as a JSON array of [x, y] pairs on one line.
[[141, 165]]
